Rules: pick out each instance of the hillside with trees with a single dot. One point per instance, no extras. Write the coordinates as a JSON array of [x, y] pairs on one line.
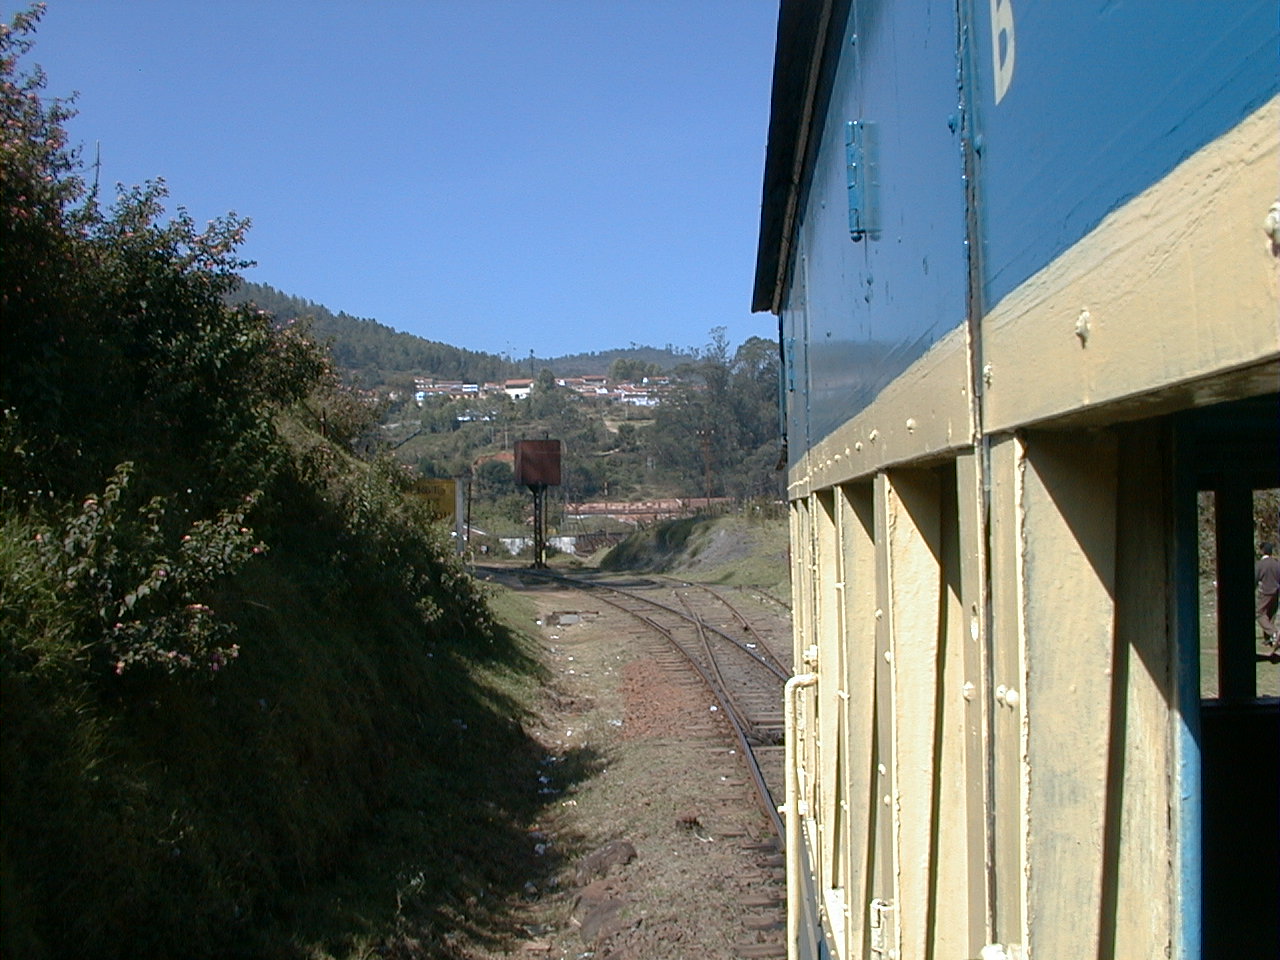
[[624, 363], [378, 355], [370, 351], [714, 432]]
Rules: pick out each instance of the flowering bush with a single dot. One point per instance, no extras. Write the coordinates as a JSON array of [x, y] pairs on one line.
[[139, 599]]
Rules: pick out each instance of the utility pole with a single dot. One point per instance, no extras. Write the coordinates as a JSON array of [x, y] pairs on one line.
[[704, 440]]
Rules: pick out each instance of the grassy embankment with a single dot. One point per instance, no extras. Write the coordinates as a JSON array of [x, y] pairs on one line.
[[358, 775], [734, 550]]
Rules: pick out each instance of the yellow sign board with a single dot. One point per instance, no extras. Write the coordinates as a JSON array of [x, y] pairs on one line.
[[440, 496]]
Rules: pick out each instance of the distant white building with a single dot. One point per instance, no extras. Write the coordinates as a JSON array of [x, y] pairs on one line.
[[636, 398], [518, 389]]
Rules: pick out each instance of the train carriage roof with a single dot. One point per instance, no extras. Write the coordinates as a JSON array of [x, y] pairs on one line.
[[808, 49]]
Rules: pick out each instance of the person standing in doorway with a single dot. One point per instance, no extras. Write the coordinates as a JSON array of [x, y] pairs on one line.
[[1266, 574]]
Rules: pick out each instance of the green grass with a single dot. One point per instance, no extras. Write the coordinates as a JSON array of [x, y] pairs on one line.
[[448, 852], [729, 550], [361, 774]]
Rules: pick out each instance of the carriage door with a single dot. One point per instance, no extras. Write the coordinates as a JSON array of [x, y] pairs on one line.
[[1229, 682]]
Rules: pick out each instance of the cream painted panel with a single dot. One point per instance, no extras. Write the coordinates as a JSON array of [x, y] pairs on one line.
[[1068, 539], [1007, 730], [854, 514], [972, 548], [827, 703], [806, 727], [949, 893], [800, 583], [915, 578], [1178, 284], [803, 633], [1141, 805], [884, 879]]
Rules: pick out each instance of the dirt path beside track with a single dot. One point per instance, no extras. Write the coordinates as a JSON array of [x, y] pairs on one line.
[[654, 845]]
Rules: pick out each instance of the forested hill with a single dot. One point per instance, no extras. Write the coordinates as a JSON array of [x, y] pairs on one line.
[[373, 351], [378, 354], [663, 359]]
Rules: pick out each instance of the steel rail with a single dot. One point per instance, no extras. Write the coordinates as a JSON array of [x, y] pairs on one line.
[[756, 591], [732, 704], [765, 796], [763, 793], [769, 662], [746, 625]]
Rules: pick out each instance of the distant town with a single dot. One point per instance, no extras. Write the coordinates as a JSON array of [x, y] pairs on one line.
[[648, 392]]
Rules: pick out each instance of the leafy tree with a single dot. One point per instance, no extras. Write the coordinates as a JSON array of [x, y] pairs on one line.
[[117, 344], [632, 370], [493, 479], [626, 437], [439, 415], [549, 402], [719, 428], [125, 373], [755, 371]]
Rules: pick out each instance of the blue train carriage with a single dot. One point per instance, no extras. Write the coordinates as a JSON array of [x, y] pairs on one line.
[[1024, 258]]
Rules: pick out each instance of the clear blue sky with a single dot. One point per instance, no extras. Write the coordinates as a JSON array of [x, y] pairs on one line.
[[502, 175]]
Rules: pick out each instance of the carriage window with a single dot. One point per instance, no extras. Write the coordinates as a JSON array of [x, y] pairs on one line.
[[1208, 595], [1236, 662], [1266, 526]]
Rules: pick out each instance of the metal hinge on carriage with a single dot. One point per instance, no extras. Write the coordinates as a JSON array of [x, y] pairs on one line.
[[883, 938], [862, 167]]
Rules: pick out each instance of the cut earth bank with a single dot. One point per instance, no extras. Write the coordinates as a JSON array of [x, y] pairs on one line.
[[653, 845]]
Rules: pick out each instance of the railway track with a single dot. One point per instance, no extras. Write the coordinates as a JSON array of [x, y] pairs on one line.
[[744, 670], [755, 593], [711, 603], [703, 637]]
